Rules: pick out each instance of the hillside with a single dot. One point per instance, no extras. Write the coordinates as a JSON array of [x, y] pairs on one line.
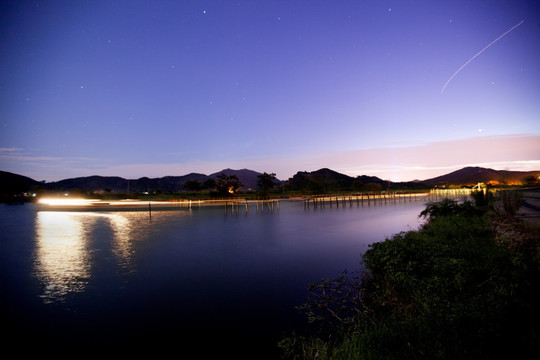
[[469, 176], [247, 177], [166, 184], [90, 183], [328, 181], [12, 185], [320, 181]]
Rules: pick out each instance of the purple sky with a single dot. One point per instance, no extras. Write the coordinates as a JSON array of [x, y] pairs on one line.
[[155, 88]]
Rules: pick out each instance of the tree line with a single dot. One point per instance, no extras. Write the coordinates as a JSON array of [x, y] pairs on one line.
[[229, 185]]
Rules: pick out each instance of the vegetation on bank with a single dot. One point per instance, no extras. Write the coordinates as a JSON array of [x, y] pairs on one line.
[[466, 285]]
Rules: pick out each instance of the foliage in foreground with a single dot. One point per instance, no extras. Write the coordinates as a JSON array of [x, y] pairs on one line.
[[452, 289]]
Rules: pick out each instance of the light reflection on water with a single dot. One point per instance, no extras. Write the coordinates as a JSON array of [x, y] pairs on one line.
[[62, 262], [72, 247], [64, 255]]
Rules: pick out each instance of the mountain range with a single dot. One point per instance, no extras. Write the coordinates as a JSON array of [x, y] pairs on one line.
[[13, 183], [472, 175], [323, 180]]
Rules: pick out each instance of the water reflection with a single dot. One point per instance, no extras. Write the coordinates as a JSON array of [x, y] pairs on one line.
[[62, 257], [63, 261]]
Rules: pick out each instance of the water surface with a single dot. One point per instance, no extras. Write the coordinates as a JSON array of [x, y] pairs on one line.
[[129, 280]]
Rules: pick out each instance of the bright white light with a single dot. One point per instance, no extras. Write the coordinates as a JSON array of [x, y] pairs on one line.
[[66, 202]]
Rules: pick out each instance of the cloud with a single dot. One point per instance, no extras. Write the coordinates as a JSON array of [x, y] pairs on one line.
[[512, 152], [9, 150], [21, 161]]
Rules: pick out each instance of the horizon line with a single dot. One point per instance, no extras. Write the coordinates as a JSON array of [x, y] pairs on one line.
[[299, 171]]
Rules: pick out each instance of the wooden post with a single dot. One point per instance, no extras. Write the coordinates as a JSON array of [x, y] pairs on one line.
[[150, 210]]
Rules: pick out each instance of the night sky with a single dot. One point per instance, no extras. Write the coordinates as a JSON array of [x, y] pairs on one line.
[[155, 88]]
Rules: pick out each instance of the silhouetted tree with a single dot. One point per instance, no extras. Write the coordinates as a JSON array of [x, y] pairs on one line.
[[192, 185], [265, 183], [209, 184], [531, 180], [227, 185]]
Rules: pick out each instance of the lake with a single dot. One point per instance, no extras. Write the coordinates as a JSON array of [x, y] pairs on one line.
[[196, 280]]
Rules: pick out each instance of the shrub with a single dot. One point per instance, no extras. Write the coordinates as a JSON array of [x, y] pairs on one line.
[[449, 207]]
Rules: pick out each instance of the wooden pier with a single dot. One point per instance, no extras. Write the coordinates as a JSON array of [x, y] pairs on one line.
[[318, 201], [237, 205], [463, 194], [232, 205]]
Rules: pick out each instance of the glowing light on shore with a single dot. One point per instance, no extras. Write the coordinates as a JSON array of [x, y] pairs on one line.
[[67, 202], [97, 203]]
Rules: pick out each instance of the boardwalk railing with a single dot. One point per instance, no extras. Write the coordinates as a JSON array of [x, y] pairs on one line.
[[232, 204], [316, 201], [459, 194], [361, 199]]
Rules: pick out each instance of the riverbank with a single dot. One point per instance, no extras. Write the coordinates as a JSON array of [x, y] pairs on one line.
[[465, 285]]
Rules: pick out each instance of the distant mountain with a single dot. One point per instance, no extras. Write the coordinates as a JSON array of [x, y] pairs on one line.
[[167, 184], [323, 180], [90, 183], [473, 175], [12, 185], [327, 181], [247, 177], [170, 184]]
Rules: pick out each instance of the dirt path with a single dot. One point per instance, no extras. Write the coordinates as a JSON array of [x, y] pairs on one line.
[[530, 209]]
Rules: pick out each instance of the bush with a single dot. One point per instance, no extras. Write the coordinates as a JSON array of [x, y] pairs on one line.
[[448, 207]]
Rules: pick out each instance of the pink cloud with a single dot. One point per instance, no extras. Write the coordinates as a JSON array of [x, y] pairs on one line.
[[512, 152]]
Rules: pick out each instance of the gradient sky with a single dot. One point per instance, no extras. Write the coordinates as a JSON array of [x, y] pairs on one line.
[[155, 88]]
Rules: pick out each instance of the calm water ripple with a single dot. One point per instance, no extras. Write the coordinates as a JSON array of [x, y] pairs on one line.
[[231, 279]]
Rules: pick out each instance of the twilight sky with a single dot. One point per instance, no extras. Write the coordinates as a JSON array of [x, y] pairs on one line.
[[155, 88]]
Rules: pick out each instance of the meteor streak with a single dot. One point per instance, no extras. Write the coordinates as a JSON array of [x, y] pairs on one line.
[[478, 53]]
